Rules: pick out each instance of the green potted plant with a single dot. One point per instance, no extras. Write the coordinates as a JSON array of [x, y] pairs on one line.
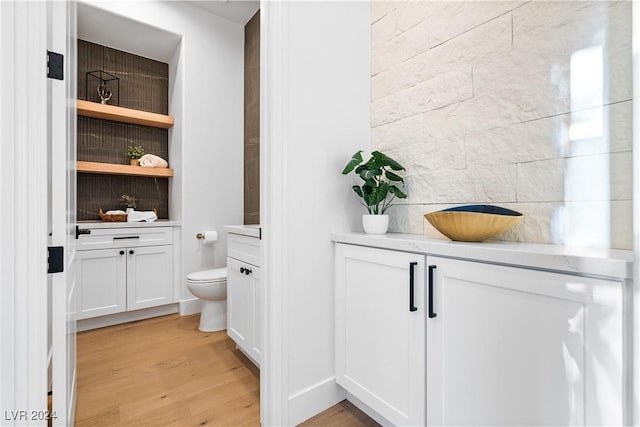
[[382, 185], [130, 201], [134, 153]]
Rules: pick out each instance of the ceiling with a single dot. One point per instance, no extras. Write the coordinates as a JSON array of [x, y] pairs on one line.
[[239, 11], [100, 26]]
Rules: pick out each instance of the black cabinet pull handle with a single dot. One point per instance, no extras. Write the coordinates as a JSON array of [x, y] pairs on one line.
[[80, 231], [241, 269], [126, 237], [432, 314], [247, 271], [411, 306], [121, 252], [130, 252]]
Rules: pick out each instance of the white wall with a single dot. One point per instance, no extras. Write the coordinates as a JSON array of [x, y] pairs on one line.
[[522, 104], [321, 117], [206, 99]]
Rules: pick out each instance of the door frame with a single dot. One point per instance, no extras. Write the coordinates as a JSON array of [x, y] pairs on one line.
[[274, 390], [635, 297], [23, 218]]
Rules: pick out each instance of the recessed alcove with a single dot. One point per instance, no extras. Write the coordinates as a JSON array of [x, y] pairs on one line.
[[138, 113]]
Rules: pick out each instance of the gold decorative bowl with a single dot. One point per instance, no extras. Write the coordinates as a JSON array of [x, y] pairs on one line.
[[473, 223]]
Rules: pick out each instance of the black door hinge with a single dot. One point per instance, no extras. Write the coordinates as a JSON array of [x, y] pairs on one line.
[[56, 259], [55, 65]]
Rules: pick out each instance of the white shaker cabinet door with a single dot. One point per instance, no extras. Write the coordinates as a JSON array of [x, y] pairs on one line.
[[149, 276], [239, 301], [380, 330], [513, 346], [101, 282]]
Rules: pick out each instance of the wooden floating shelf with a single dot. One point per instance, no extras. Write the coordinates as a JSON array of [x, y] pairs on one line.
[[124, 115], [116, 169]]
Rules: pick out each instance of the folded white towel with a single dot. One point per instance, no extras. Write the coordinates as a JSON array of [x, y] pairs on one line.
[[118, 212], [153, 161], [137, 216]]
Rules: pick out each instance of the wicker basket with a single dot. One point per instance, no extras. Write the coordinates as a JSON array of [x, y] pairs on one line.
[[113, 217]]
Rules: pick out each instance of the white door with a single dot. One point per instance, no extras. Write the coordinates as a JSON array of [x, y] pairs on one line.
[[62, 196], [149, 276], [512, 346], [380, 330], [101, 277]]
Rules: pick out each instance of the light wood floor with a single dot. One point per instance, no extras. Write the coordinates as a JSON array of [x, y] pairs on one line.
[[164, 372]]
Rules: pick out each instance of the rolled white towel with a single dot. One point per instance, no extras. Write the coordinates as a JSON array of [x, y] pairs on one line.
[[153, 161], [137, 216]]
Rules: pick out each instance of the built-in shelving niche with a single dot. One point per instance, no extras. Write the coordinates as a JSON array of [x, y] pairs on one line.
[[144, 86]]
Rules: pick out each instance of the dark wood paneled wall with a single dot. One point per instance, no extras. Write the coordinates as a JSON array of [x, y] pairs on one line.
[[144, 82], [97, 192], [144, 85], [252, 120], [106, 141]]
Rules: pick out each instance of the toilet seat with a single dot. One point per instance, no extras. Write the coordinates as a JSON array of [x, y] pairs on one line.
[[208, 276]]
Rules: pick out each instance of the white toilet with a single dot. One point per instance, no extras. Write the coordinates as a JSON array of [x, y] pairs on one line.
[[211, 287]]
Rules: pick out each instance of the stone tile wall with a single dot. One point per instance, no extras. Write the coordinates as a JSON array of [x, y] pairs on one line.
[[525, 105], [252, 120]]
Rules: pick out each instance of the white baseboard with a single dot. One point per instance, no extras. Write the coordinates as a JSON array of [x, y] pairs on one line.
[[313, 400], [190, 306], [367, 410], [127, 316]]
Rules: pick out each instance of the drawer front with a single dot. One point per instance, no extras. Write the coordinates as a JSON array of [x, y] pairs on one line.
[[243, 248], [125, 237]]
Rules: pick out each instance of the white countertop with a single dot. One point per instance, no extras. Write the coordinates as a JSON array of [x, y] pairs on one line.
[[612, 263], [252, 230], [102, 224]]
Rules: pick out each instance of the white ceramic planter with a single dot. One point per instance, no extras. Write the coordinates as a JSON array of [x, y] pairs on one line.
[[375, 224]]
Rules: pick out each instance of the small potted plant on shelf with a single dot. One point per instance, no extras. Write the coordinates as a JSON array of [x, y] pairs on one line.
[[381, 187], [134, 153], [130, 201]]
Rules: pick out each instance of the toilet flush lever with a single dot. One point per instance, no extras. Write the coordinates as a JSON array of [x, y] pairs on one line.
[[246, 271]]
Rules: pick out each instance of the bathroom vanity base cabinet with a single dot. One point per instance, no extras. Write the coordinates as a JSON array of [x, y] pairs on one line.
[[380, 330], [124, 269], [112, 281], [514, 346], [101, 282], [244, 307]]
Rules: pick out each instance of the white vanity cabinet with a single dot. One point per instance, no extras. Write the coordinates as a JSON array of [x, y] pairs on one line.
[[380, 330], [514, 346], [123, 270], [244, 294], [487, 344]]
